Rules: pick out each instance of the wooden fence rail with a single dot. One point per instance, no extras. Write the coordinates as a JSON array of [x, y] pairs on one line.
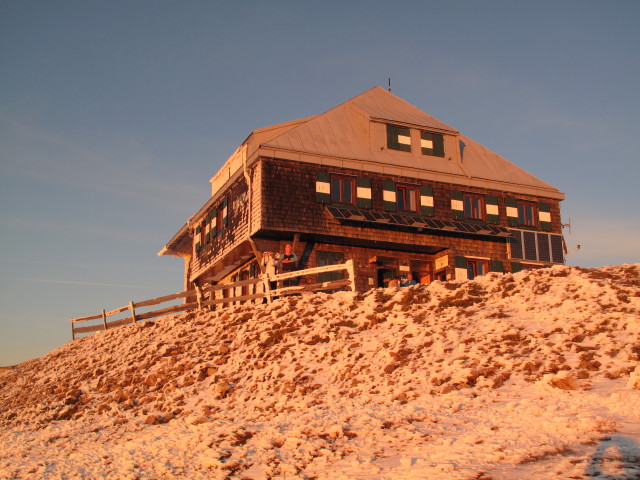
[[219, 295]]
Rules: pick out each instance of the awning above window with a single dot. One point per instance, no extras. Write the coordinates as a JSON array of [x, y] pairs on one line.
[[418, 223]]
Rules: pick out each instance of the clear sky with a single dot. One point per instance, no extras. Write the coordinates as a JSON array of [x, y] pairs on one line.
[[114, 115]]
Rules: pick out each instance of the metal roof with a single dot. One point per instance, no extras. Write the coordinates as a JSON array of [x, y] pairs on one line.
[[345, 132]]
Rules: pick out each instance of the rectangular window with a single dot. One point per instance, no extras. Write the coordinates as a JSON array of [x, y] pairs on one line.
[[398, 138], [527, 213], [342, 190], [473, 206], [476, 268], [330, 258], [407, 198], [432, 144]]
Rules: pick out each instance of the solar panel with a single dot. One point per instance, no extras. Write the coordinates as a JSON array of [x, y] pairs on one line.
[[430, 223], [400, 220], [447, 226], [557, 248], [336, 212], [516, 245], [529, 240], [544, 254], [417, 222]]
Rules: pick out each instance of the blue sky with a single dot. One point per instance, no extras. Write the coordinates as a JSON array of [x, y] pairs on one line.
[[114, 115]]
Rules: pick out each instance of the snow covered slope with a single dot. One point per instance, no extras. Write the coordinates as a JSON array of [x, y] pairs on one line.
[[534, 374]]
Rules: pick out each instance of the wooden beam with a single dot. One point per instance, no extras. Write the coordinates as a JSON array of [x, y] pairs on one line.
[[296, 239], [258, 255]]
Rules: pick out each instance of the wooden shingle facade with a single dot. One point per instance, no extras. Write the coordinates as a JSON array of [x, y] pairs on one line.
[[378, 181]]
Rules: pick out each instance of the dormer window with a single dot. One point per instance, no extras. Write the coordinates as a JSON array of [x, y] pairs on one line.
[[432, 144], [398, 138]]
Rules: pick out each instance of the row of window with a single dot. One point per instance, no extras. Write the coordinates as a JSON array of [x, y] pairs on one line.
[[470, 268], [212, 225], [356, 191], [399, 138]]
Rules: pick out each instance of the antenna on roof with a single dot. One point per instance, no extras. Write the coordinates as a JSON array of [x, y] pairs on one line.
[[389, 85]]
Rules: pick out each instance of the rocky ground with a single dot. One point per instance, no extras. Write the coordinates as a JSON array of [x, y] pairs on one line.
[[535, 372]]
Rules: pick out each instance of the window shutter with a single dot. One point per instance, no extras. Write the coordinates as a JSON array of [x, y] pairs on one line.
[[323, 187], [516, 267], [544, 216], [493, 213], [457, 206], [389, 196], [461, 268], [197, 236], [496, 266], [512, 211], [426, 200], [224, 213], [438, 146], [207, 228], [214, 222], [363, 192]]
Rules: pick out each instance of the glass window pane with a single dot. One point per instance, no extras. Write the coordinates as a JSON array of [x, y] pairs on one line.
[[346, 198], [335, 190], [411, 200], [400, 198], [471, 270]]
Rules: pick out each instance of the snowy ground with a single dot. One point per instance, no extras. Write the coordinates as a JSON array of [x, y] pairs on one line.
[[530, 375]]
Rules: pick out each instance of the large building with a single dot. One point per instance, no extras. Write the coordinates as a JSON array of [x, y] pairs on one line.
[[375, 180]]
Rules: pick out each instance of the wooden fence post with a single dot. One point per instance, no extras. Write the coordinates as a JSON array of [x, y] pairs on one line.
[[73, 332], [133, 312], [199, 295], [104, 318], [352, 274]]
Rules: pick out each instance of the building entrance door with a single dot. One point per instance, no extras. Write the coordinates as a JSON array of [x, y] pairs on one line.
[[384, 275], [388, 269], [421, 271]]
